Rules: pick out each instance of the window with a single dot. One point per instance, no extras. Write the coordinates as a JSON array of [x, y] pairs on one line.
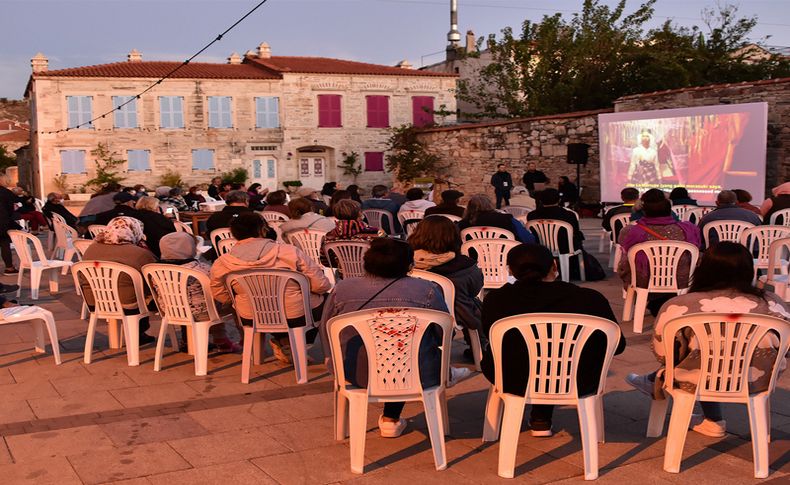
[[202, 159], [422, 109], [80, 112], [258, 167], [263, 148], [171, 111], [138, 160], [374, 161], [72, 161], [126, 116], [219, 114], [329, 111], [267, 112], [378, 111]]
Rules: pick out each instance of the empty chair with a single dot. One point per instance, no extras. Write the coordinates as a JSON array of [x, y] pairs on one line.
[[555, 342], [516, 211], [169, 285], [309, 241], [618, 222], [696, 214], [777, 273], [218, 234], [95, 229], [780, 218], [491, 255], [41, 319], [36, 262], [727, 343], [486, 232], [682, 210], [274, 217], [663, 260], [349, 256], [225, 245], [64, 235], [390, 337], [548, 232], [758, 240], [724, 231], [408, 215], [377, 217]]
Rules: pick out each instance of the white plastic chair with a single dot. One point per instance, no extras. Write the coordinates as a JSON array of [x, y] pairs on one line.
[[391, 338], [218, 234], [408, 215], [575, 214], [727, 344], [349, 256], [449, 216], [376, 218], [664, 259], [491, 258], [758, 240], [40, 318], [225, 245], [555, 342], [548, 232], [95, 229], [265, 291], [682, 210], [64, 235], [516, 211], [486, 232], [618, 222], [183, 227], [169, 286], [696, 214], [777, 273], [35, 264], [172, 213], [103, 278], [784, 214], [274, 217], [309, 241], [81, 245], [726, 230]]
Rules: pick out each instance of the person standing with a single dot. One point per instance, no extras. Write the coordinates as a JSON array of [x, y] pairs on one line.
[[534, 176], [503, 184]]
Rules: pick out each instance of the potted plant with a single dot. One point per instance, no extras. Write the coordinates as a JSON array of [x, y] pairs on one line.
[[291, 186]]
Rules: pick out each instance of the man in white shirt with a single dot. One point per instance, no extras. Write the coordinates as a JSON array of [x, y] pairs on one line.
[[415, 201]]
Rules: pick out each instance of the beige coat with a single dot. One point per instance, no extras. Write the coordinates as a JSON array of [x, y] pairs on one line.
[[258, 253]]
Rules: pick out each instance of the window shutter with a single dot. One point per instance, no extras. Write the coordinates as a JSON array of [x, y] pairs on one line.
[[323, 110], [336, 118], [227, 121], [422, 110], [374, 161], [329, 115], [73, 107], [378, 111], [177, 112], [213, 112], [273, 112]]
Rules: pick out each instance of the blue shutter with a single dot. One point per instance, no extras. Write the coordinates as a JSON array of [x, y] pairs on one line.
[[202, 159], [72, 161], [171, 111], [165, 118], [225, 112], [138, 160], [73, 107], [79, 109], [256, 169], [270, 163], [126, 116], [213, 112], [267, 112]]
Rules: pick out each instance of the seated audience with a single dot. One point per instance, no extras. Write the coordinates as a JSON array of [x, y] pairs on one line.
[[327, 191], [122, 242], [27, 209], [257, 193], [449, 204], [569, 193], [140, 190], [744, 201], [353, 189], [214, 188], [378, 200], [396, 197], [727, 210], [537, 290], [319, 206], [54, 205], [124, 206], [415, 201], [350, 225], [721, 283], [193, 199], [162, 192], [680, 196], [303, 217], [480, 212], [276, 201], [386, 284], [520, 197], [549, 208], [629, 196], [225, 189], [99, 202], [155, 224], [7, 223], [176, 199], [255, 251], [336, 196], [779, 199]]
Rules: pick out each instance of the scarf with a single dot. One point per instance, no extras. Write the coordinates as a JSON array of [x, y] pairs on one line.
[[426, 260], [122, 230]]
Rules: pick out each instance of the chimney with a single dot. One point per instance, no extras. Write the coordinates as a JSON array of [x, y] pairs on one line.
[[234, 58], [134, 56], [471, 42], [454, 36], [250, 53], [264, 51], [404, 64], [39, 63]]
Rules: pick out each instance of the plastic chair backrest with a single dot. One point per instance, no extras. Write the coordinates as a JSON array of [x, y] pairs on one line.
[[95, 229], [555, 342], [576, 214], [172, 213], [183, 227], [618, 222], [727, 343], [391, 337], [81, 245], [21, 239], [784, 214], [777, 251], [309, 241], [39, 204], [516, 211], [169, 286], [103, 278], [486, 232], [274, 216], [404, 216], [549, 231], [696, 214], [758, 239], [682, 210], [350, 256], [447, 286], [217, 234], [449, 216], [225, 245], [376, 217], [664, 258], [64, 233], [491, 258], [265, 290], [726, 230]]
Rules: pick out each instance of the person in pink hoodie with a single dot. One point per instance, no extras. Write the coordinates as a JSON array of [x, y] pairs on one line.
[[780, 199]]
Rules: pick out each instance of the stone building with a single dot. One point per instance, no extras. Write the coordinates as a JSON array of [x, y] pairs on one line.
[[282, 118]]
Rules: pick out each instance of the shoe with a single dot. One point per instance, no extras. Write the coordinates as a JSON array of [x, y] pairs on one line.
[[388, 429], [458, 374], [146, 339], [540, 430], [8, 288], [282, 352], [11, 271], [641, 383], [702, 425]]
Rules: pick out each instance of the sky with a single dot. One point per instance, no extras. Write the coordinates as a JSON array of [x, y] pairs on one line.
[[84, 32]]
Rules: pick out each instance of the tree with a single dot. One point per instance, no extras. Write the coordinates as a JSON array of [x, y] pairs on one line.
[[600, 54], [6, 158], [105, 165], [350, 165], [408, 158]]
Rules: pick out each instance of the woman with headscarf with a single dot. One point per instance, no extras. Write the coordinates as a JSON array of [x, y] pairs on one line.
[[121, 242]]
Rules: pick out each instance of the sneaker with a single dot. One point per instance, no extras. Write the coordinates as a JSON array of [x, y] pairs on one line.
[[541, 430], [11, 271], [282, 352], [702, 425], [388, 429], [641, 383], [458, 374]]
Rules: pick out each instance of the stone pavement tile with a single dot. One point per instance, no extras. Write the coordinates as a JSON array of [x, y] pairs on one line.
[[156, 394], [44, 369], [81, 384], [316, 466], [14, 411], [145, 376], [44, 471], [152, 429], [629, 403], [242, 472], [648, 472], [223, 386], [305, 407], [35, 446], [270, 413], [778, 450], [410, 476], [87, 402], [305, 435], [131, 481], [27, 390], [127, 462], [9, 334], [284, 375], [227, 447], [6, 377], [228, 418], [5, 455]]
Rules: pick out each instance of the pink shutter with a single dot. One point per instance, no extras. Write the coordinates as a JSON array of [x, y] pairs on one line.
[[384, 112], [372, 111], [374, 161], [323, 110], [329, 111], [422, 110], [336, 115], [378, 111]]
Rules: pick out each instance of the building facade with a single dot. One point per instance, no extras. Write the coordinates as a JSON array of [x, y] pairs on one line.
[[281, 118]]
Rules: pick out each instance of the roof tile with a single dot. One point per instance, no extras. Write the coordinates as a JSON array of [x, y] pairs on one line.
[[158, 69], [325, 65]]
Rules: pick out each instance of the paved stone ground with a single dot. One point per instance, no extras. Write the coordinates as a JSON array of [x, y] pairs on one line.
[[110, 423]]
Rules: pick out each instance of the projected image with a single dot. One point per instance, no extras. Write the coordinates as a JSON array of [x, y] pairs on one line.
[[705, 151]]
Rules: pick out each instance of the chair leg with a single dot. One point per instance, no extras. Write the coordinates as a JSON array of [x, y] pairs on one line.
[[658, 414], [445, 413], [582, 268], [432, 400], [52, 330], [477, 350], [200, 332], [89, 338], [171, 329], [682, 407], [759, 413], [131, 329], [628, 307], [19, 282], [299, 353], [38, 331], [35, 281], [358, 422], [258, 339], [588, 425], [599, 419], [84, 312], [508, 440], [160, 345], [493, 416], [341, 416], [639, 310], [54, 281], [246, 356], [565, 267]]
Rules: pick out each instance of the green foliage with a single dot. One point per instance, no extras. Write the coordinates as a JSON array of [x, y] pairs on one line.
[[61, 183], [350, 165], [171, 179], [105, 165], [600, 54], [238, 175], [407, 158], [292, 183], [7, 159]]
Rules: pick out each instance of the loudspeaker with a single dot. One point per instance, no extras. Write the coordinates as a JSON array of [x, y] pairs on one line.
[[578, 153]]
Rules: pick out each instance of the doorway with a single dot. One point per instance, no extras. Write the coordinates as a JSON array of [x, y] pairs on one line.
[[264, 172]]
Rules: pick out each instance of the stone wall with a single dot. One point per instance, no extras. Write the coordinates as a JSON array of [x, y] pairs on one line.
[[473, 151]]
